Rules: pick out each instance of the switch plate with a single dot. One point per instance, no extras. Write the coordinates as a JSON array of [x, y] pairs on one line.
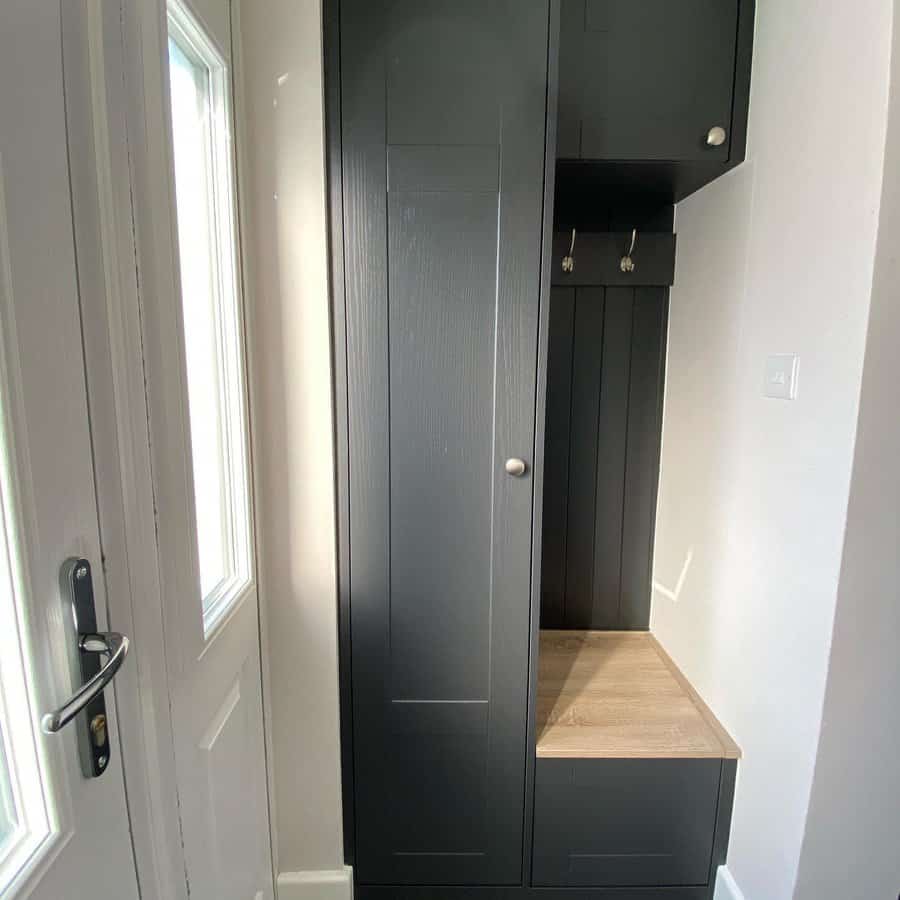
[[781, 376]]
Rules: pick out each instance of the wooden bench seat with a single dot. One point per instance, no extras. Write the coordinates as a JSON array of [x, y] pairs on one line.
[[617, 695]]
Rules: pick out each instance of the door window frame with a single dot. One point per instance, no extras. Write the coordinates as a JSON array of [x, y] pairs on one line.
[[140, 260], [38, 796]]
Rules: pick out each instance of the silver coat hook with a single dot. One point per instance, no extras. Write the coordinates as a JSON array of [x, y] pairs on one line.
[[627, 263], [568, 263]]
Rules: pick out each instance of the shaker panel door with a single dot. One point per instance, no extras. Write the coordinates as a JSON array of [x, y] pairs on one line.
[[646, 80], [443, 124]]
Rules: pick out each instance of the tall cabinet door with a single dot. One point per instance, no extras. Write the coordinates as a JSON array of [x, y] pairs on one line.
[[443, 124]]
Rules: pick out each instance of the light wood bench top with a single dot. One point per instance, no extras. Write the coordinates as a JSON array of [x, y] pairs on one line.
[[616, 694]]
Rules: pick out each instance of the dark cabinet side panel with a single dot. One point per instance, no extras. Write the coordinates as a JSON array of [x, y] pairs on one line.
[[646, 81], [441, 370], [609, 469], [364, 173]]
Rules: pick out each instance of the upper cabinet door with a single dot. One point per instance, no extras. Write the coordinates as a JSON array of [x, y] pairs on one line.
[[647, 79], [443, 130]]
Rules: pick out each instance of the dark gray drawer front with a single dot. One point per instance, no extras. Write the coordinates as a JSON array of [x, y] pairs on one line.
[[624, 822]]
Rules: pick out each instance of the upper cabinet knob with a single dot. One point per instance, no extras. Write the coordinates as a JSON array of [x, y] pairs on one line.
[[716, 136], [515, 467]]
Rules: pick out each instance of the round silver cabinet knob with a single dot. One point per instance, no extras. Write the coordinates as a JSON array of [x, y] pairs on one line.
[[515, 467], [716, 136]]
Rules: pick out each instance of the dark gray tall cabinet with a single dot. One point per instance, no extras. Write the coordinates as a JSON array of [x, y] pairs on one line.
[[443, 109]]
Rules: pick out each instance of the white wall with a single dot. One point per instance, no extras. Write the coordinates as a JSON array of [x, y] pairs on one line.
[[775, 258], [852, 843], [292, 421]]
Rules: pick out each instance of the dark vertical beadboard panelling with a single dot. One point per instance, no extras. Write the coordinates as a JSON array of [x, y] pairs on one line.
[[556, 456], [642, 465], [334, 174], [587, 365], [604, 409], [610, 465]]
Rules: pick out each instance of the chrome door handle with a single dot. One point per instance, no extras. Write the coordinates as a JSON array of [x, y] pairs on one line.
[[87, 704], [113, 645]]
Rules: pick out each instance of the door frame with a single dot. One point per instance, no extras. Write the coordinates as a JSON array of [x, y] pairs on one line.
[[125, 251], [109, 294]]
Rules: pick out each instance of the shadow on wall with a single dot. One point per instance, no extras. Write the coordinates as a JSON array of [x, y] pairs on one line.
[[776, 257], [850, 845], [292, 422]]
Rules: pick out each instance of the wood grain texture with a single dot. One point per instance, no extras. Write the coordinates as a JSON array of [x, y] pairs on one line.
[[732, 751], [615, 695], [442, 260], [587, 362], [443, 132], [363, 166]]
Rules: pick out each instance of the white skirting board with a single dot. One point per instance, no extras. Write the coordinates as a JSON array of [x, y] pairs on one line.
[[321, 885], [726, 886], [338, 885]]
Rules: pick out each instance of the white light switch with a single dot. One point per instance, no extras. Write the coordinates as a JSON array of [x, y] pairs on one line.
[[781, 376]]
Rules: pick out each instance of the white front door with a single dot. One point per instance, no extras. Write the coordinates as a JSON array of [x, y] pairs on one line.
[[63, 835], [193, 317]]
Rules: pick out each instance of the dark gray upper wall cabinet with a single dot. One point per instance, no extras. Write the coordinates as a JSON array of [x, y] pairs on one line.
[[646, 80], [658, 90], [443, 115]]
